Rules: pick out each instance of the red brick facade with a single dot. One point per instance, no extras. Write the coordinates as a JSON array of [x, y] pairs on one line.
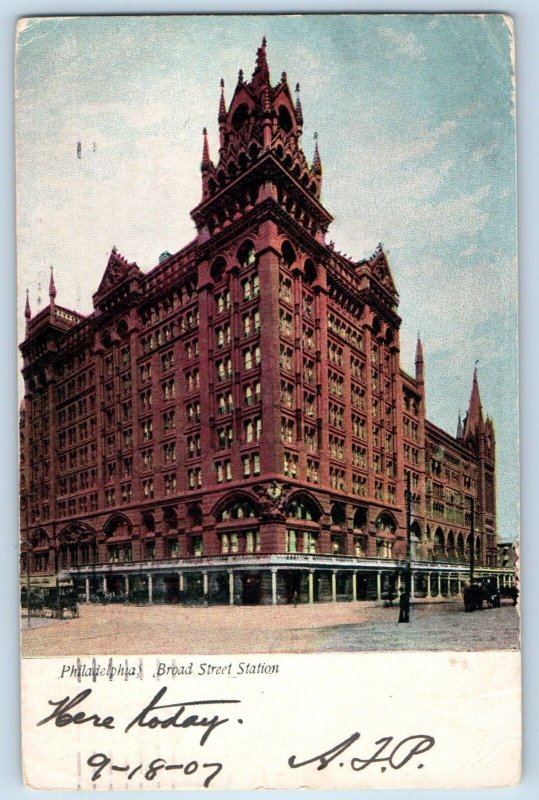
[[240, 411]]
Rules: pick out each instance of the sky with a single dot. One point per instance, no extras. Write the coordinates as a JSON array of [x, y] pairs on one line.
[[415, 116]]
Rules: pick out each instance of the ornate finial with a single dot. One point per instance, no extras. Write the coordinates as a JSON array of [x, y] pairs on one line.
[[283, 77], [317, 163], [52, 287], [299, 112], [222, 83], [27, 312], [264, 41], [240, 76], [205, 150], [114, 248], [222, 107]]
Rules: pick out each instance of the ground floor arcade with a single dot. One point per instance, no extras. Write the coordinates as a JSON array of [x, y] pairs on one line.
[[252, 582]]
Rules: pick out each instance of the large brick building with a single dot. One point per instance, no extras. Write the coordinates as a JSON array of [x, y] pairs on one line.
[[234, 425]]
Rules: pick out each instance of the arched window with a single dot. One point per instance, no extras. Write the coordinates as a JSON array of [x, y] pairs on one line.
[[40, 538], [385, 523], [237, 508], [303, 508], [310, 273], [246, 254], [289, 254], [117, 526], [148, 522], [106, 339], [240, 116], [285, 120], [451, 553], [460, 547], [360, 519], [194, 513], [122, 329], [338, 514], [416, 543], [439, 543], [218, 268], [170, 519]]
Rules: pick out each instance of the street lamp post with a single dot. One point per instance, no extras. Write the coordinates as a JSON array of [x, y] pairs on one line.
[[28, 615], [472, 538], [408, 568]]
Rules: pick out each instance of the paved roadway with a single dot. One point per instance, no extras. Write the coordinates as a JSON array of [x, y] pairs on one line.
[[337, 627]]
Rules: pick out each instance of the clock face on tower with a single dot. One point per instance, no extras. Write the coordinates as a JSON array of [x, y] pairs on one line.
[[274, 491]]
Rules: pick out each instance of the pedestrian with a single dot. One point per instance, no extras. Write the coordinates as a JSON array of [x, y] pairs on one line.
[[404, 606]]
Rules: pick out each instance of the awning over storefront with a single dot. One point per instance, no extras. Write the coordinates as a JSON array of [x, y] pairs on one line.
[[47, 581], [39, 582]]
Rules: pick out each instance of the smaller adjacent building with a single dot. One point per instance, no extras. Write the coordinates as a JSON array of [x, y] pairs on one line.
[[507, 555]]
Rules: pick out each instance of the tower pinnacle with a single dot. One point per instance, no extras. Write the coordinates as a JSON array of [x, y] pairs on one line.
[[317, 163], [261, 76], [52, 287], [474, 417], [299, 110], [27, 312], [205, 163], [222, 106], [419, 362]]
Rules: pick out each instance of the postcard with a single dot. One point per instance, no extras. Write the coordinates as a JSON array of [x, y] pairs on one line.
[[268, 402]]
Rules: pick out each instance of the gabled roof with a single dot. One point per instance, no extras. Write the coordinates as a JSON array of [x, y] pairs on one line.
[[118, 270]]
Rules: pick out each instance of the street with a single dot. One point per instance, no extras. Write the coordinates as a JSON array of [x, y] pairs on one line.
[[323, 627]]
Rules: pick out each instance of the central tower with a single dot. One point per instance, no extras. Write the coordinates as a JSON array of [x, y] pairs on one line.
[[260, 158]]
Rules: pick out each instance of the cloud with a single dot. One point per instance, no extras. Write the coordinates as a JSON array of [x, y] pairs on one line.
[[406, 44], [468, 251]]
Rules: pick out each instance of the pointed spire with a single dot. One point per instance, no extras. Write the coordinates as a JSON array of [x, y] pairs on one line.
[[205, 163], [317, 163], [474, 418], [52, 287], [27, 312], [222, 106], [299, 110], [460, 429], [261, 75], [419, 361]]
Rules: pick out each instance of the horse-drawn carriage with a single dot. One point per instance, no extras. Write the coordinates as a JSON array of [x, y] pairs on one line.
[[50, 602], [482, 592]]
